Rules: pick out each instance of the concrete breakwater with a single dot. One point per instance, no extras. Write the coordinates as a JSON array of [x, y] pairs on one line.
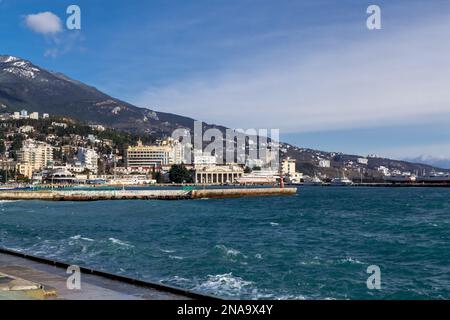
[[95, 195]]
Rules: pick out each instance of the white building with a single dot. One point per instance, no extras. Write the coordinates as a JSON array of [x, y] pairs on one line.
[[142, 157], [26, 129], [252, 163], [363, 161], [217, 174], [16, 115], [204, 160], [177, 155], [88, 159], [324, 163], [24, 114], [288, 167], [34, 115], [384, 170], [97, 127], [45, 116], [59, 124], [36, 154]]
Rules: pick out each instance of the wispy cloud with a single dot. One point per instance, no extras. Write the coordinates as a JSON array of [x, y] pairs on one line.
[[59, 41], [391, 76], [44, 23], [61, 45]]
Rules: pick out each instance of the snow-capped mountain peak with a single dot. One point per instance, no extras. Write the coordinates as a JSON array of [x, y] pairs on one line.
[[6, 59], [19, 67]]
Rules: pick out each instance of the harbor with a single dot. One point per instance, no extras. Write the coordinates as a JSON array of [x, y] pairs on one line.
[[242, 248]]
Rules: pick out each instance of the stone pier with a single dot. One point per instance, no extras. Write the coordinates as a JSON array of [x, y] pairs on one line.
[[95, 195]]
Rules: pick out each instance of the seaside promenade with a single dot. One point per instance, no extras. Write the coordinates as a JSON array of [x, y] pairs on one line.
[[27, 277]]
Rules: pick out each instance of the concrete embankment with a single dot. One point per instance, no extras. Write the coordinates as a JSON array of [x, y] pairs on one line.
[[24, 276], [235, 193], [78, 195]]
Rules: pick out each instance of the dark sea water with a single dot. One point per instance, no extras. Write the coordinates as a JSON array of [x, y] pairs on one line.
[[315, 245]]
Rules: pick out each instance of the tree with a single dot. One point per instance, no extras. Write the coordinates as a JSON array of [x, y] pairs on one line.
[[17, 142], [158, 177], [2, 147], [178, 173]]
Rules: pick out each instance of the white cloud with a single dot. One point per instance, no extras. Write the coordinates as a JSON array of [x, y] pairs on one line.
[[72, 41], [397, 75], [44, 23], [426, 152]]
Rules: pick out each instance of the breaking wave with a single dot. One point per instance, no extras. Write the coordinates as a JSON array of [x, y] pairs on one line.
[[79, 237], [120, 243], [230, 252], [225, 285]]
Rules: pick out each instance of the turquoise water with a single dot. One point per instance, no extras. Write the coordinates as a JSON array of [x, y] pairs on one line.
[[315, 245]]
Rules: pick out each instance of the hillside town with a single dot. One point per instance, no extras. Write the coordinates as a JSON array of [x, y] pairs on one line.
[[43, 149]]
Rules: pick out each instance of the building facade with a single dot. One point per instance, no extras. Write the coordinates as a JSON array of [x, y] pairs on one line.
[[88, 159], [25, 170], [288, 167], [34, 115], [147, 157], [204, 160], [36, 154], [324, 163], [217, 174], [167, 152]]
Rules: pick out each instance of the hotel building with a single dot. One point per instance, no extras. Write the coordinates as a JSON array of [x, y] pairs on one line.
[[155, 156], [34, 156]]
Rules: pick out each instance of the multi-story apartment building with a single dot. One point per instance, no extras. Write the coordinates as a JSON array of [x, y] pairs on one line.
[[34, 115], [88, 159], [36, 154], [288, 166]]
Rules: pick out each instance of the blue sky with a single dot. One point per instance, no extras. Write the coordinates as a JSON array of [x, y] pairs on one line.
[[310, 68]]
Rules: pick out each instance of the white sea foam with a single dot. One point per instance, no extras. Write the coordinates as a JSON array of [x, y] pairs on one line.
[[225, 285], [351, 260], [167, 251], [274, 224], [230, 252], [290, 297], [178, 281], [79, 237], [176, 257], [120, 243]]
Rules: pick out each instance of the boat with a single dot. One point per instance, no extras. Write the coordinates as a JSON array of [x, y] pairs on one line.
[[438, 177], [15, 187], [400, 178], [315, 181], [259, 177], [341, 182]]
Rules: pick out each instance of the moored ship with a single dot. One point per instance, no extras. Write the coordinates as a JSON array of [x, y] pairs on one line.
[[341, 182]]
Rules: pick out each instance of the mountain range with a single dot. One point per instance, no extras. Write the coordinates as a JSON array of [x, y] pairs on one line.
[[24, 85]]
